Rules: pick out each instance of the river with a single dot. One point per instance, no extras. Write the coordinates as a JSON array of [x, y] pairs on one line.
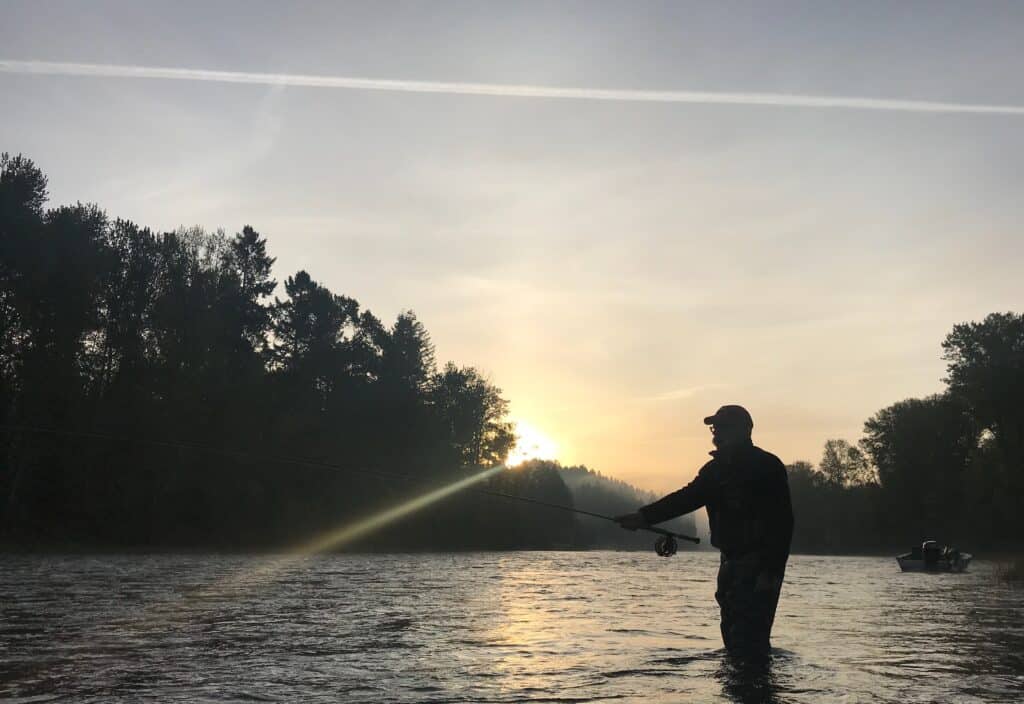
[[493, 627]]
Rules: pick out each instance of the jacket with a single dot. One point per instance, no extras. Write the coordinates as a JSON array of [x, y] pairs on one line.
[[746, 492]]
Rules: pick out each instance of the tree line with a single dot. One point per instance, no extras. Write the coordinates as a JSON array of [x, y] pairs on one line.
[[176, 380], [949, 466], [123, 338]]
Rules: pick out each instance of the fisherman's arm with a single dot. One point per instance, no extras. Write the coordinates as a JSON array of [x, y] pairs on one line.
[[689, 498]]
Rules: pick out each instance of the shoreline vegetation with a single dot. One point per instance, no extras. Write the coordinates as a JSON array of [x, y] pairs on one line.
[[645, 545], [134, 336]]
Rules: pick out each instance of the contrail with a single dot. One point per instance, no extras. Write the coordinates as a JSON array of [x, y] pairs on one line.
[[502, 90]]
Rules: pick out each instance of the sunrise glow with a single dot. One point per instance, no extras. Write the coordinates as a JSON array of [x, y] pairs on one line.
[[531, 444]]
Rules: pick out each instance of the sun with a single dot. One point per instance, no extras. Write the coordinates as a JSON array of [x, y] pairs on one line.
[[531, 444]]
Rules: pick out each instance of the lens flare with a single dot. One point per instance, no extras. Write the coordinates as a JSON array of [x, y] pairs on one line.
[[346, 534]]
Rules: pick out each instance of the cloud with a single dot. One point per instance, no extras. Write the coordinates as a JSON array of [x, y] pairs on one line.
[[503, 90]]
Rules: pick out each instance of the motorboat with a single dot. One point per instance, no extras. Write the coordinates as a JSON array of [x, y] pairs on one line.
[[932, 557]]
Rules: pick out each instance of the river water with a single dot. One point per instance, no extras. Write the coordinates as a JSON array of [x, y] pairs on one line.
[[493, 627]]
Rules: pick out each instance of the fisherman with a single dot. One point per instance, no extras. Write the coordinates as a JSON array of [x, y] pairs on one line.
[[746, 493]]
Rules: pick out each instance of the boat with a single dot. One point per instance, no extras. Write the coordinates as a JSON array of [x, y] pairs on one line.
[[932, 557]]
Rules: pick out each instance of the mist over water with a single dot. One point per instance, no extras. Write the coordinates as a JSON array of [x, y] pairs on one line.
[[493, 627]]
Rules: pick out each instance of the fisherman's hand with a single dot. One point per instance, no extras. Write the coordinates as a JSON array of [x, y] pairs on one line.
[[632, 521]]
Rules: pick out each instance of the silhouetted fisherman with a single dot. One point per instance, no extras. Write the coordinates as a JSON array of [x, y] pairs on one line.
[[746, 493]]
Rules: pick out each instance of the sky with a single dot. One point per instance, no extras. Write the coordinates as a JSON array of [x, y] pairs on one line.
[[620, 264]]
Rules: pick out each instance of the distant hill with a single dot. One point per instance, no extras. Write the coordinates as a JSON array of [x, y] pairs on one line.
[[593, 491]]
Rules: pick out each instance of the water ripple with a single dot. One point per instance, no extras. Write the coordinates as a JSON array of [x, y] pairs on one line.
[[494, 627]]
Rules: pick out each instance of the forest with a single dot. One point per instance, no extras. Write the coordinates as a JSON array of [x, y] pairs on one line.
[[948, 467], [151, 381]]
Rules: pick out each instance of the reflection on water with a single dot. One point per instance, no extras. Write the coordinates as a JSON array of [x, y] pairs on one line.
[[503, 627]]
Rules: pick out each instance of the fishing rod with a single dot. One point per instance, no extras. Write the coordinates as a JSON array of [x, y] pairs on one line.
[[665, 546]]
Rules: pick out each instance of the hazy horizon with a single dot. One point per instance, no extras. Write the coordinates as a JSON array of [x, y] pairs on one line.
[[619, 267]]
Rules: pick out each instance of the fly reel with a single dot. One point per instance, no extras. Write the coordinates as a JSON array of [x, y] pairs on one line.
[[666, 546]]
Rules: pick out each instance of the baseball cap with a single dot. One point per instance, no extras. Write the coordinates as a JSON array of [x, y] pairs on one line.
[[732, 415]]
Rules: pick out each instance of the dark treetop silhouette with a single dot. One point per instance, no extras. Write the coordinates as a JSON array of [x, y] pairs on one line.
[[135, 336], [747, 497]]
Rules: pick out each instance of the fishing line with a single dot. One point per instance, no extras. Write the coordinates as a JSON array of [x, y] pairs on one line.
[[666, 545]]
